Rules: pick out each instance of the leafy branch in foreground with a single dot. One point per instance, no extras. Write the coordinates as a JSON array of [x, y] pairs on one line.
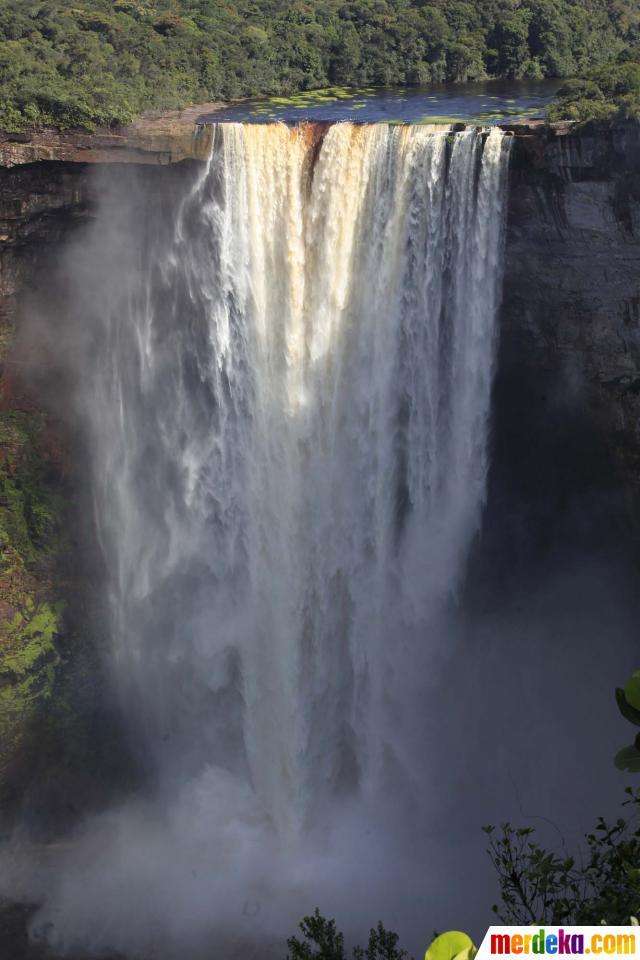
[[539, 886], [628, 700]]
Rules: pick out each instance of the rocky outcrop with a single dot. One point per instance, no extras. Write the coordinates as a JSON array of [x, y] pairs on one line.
[[153, 139], [46, 187]]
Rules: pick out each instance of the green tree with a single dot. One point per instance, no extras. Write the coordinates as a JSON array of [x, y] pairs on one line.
[[540, 886], [321, 940]]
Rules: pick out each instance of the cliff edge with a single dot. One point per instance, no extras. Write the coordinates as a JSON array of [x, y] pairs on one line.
[[154, 139]]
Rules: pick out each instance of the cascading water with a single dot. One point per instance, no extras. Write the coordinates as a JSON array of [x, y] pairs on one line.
[[287, 412]]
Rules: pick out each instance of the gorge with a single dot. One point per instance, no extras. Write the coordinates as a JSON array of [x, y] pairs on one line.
[[277, 349]]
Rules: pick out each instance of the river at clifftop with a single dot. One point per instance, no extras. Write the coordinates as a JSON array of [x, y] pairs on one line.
[[487, 103]]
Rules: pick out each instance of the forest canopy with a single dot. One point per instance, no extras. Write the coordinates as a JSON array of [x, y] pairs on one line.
[[82, 63]]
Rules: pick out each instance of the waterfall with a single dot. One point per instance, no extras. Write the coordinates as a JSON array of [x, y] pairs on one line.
[[286, 400], [289, 416]]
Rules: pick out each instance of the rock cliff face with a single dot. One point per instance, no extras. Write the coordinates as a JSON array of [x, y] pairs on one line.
[[571, 313], [40, 206], [153, 139]]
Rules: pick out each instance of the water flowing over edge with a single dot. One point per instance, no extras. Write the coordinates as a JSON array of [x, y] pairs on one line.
[[312, 362], [287, 404]]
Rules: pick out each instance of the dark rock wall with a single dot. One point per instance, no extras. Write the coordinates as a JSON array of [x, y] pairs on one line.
[[41, 206], [568, 388], [572, 270]]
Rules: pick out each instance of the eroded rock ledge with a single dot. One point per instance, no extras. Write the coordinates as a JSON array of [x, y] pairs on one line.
[[154, 139], [162, 139]]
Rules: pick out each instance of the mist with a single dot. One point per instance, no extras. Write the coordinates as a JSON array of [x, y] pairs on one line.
[[342, 635]]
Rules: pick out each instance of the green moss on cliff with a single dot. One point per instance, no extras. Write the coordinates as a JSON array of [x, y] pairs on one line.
[[30, 639], [29, 506], [32, 552], [29, 659]]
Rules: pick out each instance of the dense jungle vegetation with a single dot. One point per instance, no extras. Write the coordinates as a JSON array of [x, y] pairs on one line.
[[79, 63], [607, 91]]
